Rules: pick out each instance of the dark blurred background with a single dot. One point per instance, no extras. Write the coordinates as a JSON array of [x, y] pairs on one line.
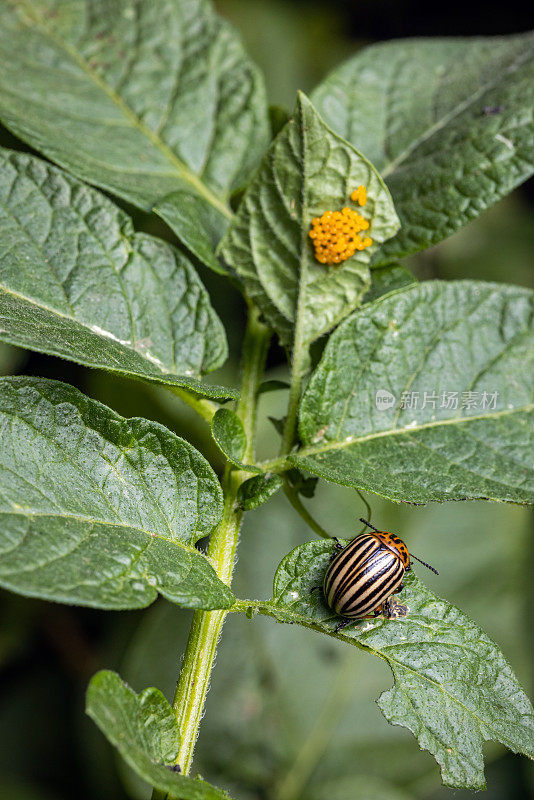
[[266, 735]]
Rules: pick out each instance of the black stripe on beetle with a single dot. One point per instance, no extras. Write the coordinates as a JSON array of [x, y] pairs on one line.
[[353, 555], [374, 592], [362, 578], [363, 575]]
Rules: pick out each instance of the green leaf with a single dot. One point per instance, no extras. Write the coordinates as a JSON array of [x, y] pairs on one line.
[[469, 346], [76, 281], [453, 687], [278, 117], [446, 121], [256, 491], [307, 171], [333, 687], [303, 485], [197, 223], [144, 729], [229, 434], [142, 100], [387, 279], [99, 510]]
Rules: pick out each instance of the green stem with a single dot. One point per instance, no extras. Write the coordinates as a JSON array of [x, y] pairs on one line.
[[255, 346], [280, 464], [290, 427], [204, 408], [206, 626], [297, 374], [309, 755], [300, 508]]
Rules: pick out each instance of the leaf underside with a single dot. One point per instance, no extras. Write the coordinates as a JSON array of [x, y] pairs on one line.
[[144, 729], [76, 281], [143, 99], [99, 510], [447, 122], [453, 687], [440, 343]]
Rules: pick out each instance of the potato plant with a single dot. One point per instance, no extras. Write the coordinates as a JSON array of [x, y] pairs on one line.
[[418, 392]]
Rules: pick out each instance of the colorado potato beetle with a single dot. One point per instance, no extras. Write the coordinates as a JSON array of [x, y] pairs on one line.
[[363, 575]]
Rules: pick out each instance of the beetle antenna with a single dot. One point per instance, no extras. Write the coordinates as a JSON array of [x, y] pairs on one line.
[[424, 564], [369, 525], [411, 554], [367, 508]]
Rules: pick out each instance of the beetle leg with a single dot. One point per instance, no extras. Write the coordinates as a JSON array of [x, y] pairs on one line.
[[374, 615], [315, 588], [386, 608], [338, 545], [342, 624], [400, 588]]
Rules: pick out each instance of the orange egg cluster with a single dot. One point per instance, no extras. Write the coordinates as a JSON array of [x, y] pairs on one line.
[[336, 234], [359, 195]]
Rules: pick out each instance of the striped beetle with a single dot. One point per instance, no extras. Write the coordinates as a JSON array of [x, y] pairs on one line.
[[363, 576]]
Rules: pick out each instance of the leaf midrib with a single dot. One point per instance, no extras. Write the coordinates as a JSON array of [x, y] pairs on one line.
[[298, 338], [446, 118], [100, 337], [6, 207], [174, 379], [30, 513], [180, 167], [337, 445]]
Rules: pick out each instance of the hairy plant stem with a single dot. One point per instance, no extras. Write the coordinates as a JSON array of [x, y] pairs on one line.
[[197, 665]]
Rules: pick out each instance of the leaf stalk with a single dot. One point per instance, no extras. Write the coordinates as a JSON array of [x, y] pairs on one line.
[[204, 408], [293, 497]]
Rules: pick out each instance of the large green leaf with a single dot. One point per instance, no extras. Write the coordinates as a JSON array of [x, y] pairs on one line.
[[199, 225], [453, 687], [143, 99], [469, 347], [144, 729], [99, 510], [307, 170], [77, 282], [448, 123]]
